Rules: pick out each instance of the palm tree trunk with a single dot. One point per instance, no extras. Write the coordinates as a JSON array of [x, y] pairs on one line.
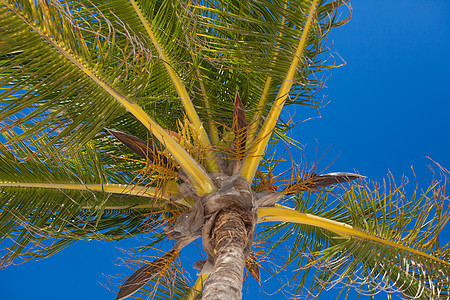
[[231, 239]]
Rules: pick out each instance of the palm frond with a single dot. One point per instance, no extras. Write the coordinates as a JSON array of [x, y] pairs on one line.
[[243, 38], [182, 93], [257, 150], [371, 236], [66, 200], [77, 55], [55, 61], [263, 98]]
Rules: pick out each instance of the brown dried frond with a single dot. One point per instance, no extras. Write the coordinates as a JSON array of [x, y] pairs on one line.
[[157, 162], [252, 266], [145, 149], [233, 140], [159, 167], [254, 260], [161, 267], [239, 117], [310, 181]]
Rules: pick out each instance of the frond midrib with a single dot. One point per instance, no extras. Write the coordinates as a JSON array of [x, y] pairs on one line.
[[181, 91], [283, 214], [200, 178], [259, 145]]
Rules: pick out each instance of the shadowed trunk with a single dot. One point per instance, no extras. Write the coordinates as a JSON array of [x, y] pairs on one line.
[[231, 239]]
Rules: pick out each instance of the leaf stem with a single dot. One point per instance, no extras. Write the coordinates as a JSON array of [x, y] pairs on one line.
[[262, 100], [125, 189], [198, 286], [259, 147], [200, 179], [284, 214], [211, 163]]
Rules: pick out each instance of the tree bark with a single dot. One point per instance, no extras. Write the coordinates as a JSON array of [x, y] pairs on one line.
[[230, 238]]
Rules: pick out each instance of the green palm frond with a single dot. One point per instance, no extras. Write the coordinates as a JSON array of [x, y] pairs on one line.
[[243, 38], [79, 55], [386, 240], [66, 200], [231, 48], [210, 162], [65, 69]]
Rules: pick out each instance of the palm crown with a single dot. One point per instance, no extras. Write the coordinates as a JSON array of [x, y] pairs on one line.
[[122, 118]]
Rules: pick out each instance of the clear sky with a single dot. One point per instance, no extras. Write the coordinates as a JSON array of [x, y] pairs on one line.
[[389, 109]]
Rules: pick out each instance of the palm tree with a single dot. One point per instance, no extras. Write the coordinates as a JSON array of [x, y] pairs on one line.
[[123, 118]]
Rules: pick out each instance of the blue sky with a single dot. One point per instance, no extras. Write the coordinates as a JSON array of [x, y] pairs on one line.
[[388, 109]]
